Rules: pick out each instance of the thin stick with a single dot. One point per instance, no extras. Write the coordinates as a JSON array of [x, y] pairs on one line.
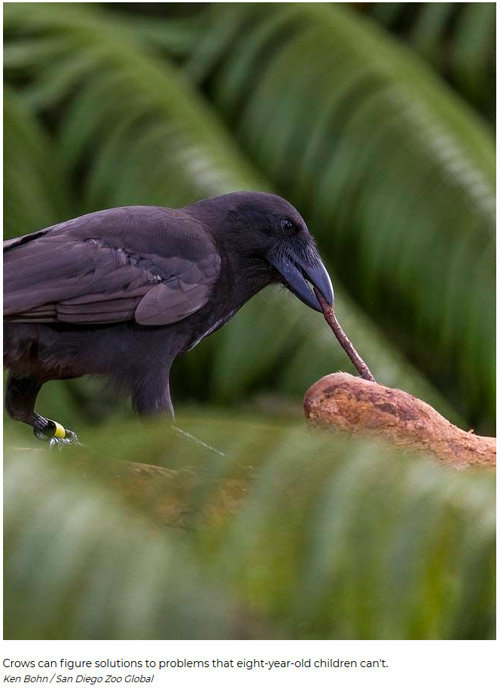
[[345, 343], [192, 437]]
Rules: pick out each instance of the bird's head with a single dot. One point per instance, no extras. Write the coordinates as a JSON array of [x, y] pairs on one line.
[[269, 233]]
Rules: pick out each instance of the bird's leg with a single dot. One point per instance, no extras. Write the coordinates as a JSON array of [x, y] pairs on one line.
[[20, 398], [153, 397]]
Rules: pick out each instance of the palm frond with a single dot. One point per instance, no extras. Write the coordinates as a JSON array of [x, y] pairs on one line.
[[35, 189], [279, 532], [83, 566], [289, 535], [458, 39], [133, 130], [394, 171]]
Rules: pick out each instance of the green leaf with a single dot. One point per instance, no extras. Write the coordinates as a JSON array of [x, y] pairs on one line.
[[131, 129], [394, 172], [288, 535], [35, 190]]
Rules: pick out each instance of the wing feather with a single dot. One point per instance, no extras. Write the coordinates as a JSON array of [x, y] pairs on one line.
[[149, 264]]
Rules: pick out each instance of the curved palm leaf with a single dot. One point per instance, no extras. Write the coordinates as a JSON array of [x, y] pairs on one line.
[[83, 566], [394, 171], [458, 39], [36, 192], [290, 535], [136, 132]]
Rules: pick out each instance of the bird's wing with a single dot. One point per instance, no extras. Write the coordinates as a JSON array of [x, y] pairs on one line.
[[149, 264]]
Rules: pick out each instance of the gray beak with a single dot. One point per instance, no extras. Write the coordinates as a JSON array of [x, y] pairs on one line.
[[298, 272]]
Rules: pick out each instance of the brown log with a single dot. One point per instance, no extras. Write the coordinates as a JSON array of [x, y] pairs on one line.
[[348, 404]]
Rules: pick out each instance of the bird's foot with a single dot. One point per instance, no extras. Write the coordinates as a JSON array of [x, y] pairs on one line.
[[56, 435], [70, 439]]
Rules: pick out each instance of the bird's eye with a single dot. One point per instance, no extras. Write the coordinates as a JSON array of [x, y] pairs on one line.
[[287, 226]]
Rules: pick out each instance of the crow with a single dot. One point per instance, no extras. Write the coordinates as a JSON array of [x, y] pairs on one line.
[[121, 292]]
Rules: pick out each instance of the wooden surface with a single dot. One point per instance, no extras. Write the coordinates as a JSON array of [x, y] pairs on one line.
[[348, 404]]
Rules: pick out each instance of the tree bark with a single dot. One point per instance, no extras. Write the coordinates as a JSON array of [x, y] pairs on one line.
[[348, 404]]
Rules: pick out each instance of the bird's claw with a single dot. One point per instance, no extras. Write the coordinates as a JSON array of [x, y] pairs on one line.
[[69, 439], [57, 441]]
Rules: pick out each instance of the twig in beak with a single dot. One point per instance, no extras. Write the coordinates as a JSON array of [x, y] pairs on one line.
[[345, 343]]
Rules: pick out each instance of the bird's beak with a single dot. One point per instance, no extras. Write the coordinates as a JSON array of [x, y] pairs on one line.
[[298, 272]]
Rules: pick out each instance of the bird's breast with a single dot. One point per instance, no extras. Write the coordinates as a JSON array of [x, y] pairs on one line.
[[205, 332]]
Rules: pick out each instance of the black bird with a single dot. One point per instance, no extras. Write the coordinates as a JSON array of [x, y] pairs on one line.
[[122, 292]]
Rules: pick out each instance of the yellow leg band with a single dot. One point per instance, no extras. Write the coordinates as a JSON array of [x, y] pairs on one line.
[[59, 431]]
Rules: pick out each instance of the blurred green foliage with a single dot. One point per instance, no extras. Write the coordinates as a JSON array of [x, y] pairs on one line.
[[289, 535], [457, 39], [393, 171], [375, 120]]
